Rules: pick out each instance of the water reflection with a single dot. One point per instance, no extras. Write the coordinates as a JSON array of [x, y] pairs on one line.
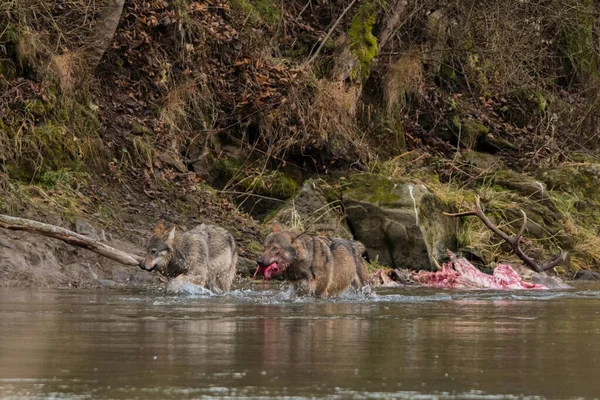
[[127, 345]]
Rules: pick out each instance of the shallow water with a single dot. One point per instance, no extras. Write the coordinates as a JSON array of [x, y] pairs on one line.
[[404, 343]]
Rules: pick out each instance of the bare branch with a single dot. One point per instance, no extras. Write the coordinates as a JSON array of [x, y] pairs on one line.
[[513, 241], [324, 40]]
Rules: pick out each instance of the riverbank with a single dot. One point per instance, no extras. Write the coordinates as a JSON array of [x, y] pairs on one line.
[[237, 112]]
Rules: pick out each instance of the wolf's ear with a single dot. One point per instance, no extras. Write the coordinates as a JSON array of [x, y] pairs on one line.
[[159, 228], [170, 236], [276, 227]]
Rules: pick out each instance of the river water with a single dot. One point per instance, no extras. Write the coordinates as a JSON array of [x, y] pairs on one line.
[[264, 344]]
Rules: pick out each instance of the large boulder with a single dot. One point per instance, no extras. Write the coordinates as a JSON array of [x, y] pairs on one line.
[[313, 211], [400, 222]]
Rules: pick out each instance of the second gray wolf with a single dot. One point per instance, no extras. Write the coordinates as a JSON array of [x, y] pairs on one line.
[[315, 265], [205, 255]]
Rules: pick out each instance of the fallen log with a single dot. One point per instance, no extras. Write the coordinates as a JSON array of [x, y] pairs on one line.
[[70, 237]]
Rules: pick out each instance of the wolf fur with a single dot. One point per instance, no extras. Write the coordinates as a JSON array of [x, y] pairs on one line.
[[314, 264], [205, 255]]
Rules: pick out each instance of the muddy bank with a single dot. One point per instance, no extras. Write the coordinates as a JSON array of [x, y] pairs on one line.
[[29, 260]]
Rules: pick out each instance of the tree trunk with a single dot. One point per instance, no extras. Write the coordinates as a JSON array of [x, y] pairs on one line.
[[70, 237], [389, 20], [104, 31]]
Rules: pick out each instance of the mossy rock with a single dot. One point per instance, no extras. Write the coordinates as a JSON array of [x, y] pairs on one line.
[[38, 107], [581, 179], [224, 170], [522, 184], [312, 211], [494, 144], [378, 189], [469, 131], [484, 161], [274, 184], [400, 222]]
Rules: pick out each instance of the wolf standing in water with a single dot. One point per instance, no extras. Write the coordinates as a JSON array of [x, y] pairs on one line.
[[315, 265], [205, 255]]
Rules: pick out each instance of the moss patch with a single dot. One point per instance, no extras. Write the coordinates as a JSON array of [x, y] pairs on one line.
[[373, 188], [363, 43], [581, 179], [469, 131], [272, 184], [258, 11], [265, 183]]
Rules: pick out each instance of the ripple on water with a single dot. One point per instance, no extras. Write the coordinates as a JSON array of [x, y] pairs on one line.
[[11, 391], [284, 294]]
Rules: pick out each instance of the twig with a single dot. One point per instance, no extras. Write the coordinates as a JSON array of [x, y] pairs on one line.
[[311, 59]]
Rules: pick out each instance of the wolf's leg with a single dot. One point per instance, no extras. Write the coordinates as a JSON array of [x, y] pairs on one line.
[[225, 271]]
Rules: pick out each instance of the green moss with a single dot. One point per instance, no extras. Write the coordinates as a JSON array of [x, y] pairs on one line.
[[581, 179], [225, 169], [265, 183], [63, 178], [37, 107], [363, 43], [373, 188], [258, 11], [470, 131], [484, 161], [456, 122], [448, 73], [273, 184]]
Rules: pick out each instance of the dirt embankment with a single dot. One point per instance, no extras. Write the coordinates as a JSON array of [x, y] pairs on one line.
[[202, 110], [31, 260]]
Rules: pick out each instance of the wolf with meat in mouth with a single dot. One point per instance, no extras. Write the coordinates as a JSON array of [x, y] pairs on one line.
[[315, 265]]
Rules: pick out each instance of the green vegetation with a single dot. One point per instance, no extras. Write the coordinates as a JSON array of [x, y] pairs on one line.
[[362, 41], [258, 11]]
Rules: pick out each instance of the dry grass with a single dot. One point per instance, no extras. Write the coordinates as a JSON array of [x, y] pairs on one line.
[[403, 77], [586, 252], [69, 72], [319, 117], [188, 104]]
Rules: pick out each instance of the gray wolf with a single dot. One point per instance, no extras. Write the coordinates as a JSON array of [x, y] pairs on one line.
[[315, 265], [205, 255]]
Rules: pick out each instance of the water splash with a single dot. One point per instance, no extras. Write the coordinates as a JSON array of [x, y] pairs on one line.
[[410, 191], [186, 287]]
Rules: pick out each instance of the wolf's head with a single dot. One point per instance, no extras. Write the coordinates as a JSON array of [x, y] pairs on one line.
[[279, 252], [159, 248]]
